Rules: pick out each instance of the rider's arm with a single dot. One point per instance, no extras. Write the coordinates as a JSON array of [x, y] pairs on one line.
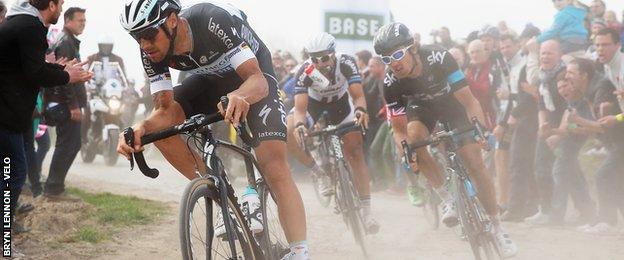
[[399, 131], [350, 70], [470, 103], [459, 87], [359, 101], [357, 94], [167, 112], [301, 107], [255, 86], [301, 95]]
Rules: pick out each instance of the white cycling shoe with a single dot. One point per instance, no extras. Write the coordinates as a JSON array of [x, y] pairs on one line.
[[219, 226], [449, 214], [371, 225], [507, 247], [301, 254], [324, 183]]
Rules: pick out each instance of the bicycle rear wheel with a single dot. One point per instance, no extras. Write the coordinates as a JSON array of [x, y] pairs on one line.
[[198, 210], [350, 207], [272, 239]]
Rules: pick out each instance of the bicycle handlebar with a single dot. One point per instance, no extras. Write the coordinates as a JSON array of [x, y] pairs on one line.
[[340, 129], [444, 135], [194, 123]]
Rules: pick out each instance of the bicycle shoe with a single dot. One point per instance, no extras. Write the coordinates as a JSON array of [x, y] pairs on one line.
[[415, 196], [297, 254], [219, 226], [449, 214], [507, 247], [323, 182], [371, 225]]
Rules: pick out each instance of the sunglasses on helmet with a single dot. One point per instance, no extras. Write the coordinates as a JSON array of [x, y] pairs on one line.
[[324, 58], [396, 56]]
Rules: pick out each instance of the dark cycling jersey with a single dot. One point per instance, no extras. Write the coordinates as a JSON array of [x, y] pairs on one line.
[[440, 78], [345, 73], [222, 41]]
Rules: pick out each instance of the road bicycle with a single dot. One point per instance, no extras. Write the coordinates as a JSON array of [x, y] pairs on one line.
[[332, 160], [208, 196], [475, 223]]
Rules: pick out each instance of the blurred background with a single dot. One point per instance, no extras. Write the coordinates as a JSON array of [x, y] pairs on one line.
[[286, 25]]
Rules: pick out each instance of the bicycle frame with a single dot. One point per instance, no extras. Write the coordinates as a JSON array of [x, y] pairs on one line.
[[218, 174]]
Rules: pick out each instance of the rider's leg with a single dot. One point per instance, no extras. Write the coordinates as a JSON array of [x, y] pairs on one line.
[[471, 157], [175, 150], [417, 131], [354, 153], [501, 158], [271, 156]]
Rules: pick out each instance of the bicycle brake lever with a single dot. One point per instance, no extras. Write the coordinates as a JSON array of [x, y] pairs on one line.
[[407, 151], [129, 138], [138, 156]]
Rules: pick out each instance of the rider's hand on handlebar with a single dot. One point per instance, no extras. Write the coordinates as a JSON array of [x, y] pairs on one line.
[[300, 132], [409, 166], [126, 150], [361, 118], [237, 109]]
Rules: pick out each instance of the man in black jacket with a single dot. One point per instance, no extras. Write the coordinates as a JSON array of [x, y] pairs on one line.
[[2, 11], [71, 96], [23, 71]]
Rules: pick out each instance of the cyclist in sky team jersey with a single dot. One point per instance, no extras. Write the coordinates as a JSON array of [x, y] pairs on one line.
[[424, 85]]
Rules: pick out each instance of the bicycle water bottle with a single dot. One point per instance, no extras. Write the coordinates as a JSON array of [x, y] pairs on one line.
[[251, 210], [316, 76]]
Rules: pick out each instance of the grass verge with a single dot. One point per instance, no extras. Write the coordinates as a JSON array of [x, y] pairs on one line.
[[112, 212]]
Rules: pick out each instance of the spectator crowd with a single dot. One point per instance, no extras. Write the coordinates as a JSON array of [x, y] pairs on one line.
[[552, 98]]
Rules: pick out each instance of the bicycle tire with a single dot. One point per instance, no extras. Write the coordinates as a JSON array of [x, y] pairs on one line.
[[350, 207], [473, 226], [205, 188], [431, 209], [322, 199], [487, 238], [272, 239]]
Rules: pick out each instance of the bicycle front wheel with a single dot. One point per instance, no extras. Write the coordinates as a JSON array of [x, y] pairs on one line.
[[349, 201], [430, 209], [272, 238], [202, 235], [477, 231]]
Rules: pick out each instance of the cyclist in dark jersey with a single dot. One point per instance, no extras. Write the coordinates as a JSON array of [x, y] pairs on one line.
[[424, 85], [215, 44]]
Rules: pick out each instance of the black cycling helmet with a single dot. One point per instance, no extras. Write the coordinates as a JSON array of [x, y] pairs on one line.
[[392, 37]]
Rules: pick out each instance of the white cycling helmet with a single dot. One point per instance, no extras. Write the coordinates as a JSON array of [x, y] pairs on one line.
[[323, 42], [140, 14]]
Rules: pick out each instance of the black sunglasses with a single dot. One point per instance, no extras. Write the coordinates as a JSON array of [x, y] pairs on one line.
[[324, 58], [149, 33]]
